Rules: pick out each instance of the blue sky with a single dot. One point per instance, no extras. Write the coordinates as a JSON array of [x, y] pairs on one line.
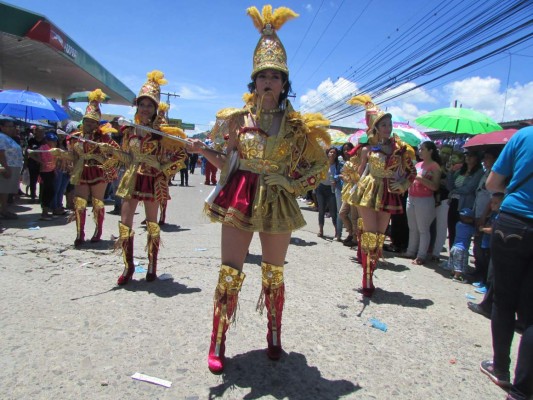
[[205, 50]]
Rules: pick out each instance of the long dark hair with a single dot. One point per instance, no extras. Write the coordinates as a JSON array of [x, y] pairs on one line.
[[435, 156], [478, 165], [287, 88], [336, 154], [350, 147]]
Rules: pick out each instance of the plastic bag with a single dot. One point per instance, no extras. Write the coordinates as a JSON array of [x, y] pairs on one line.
[[26, 177]]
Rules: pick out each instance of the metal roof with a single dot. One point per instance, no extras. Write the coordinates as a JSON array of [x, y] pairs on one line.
[[36, 55]]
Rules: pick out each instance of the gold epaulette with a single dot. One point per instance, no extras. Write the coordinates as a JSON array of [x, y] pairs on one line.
[[228, 113]]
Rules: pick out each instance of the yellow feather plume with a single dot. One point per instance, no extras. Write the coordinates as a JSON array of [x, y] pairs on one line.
[[163, 108], [107, 129], [97, 95], [257, 19], [361, 100], [249, 98], [168, 143], [277, 18], [157, 77], [267, 14], [282, 15]]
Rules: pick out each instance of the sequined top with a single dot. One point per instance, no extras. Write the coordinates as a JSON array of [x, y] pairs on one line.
[[146, 156], [91, 155], [294, 153]]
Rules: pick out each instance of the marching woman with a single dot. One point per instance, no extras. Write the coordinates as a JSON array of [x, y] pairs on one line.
[[273, 154], [386, 171], [92, 169], [351, 219], [150, 159]]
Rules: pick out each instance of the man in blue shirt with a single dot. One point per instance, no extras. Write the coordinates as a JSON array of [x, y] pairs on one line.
[[512, 257]]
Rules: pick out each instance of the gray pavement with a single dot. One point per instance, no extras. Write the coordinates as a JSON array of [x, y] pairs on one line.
[[68, 332]]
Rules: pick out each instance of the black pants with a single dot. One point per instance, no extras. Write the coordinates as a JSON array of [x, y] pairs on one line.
[[34, 177], [453, 218], [512, 256], [184, 176], [48, 189], [399, 229]]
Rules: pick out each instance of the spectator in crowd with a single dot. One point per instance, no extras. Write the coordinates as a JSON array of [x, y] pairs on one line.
[[482, 209], [32, 161], [193, 160], [47, 174], [458, 261], [11, 162], [325, 193], [462, 185], [61, 180], [184, 174], [421, 202], [439, 228], [210, 169], [512, 257]]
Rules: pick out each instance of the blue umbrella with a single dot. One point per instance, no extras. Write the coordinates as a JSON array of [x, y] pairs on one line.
[[30, 105]]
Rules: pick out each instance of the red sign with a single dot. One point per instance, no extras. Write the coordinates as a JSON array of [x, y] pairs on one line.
[[44, 31]]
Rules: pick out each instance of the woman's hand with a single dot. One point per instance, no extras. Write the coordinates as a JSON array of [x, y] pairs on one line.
[[195, 146], [396, 187], [280, 180]]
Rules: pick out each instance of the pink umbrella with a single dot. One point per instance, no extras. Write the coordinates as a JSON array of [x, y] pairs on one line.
[[491, 139], [357, 136]]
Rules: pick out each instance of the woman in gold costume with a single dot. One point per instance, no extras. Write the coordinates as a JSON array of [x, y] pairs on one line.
[[386, 171], [92, 169], [150, 160], [273, 154]]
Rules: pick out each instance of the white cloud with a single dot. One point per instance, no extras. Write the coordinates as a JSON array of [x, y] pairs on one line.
[[308, 7], [487, 95], [194, 92], [326, 93]]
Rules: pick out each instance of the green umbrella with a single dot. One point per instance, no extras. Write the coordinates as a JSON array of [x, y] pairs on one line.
[[458, 120], [82, 97]]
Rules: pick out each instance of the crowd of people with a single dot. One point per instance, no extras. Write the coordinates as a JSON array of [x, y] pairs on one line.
[[269, 155]]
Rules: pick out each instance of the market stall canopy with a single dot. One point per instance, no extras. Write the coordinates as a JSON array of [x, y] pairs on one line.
[[36, 55]]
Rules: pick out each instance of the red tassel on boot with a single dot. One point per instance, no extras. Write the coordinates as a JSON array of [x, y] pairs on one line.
[[154, 240], [369, 242], [80, 212], [225, 304], [163, 208], [273, 295], [125, 242], [98, 217]]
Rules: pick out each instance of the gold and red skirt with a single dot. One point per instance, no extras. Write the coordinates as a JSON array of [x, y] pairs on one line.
[[150, 188], [373, 192], [92, 175], [247, 203]]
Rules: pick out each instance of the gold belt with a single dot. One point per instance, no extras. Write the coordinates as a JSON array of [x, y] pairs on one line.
[[260, 166]]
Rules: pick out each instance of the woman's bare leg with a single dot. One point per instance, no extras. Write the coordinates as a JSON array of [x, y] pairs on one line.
[[234, 246], [274, 247]]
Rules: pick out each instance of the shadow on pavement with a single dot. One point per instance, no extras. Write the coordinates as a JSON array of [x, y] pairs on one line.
[[167, 288], [301, 242], [382, 296], [288, 378]]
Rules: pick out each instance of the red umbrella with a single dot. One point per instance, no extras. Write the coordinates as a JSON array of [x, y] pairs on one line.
[[491, 139]]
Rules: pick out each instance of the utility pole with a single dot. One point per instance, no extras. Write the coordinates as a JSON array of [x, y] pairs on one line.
[[168, 99]]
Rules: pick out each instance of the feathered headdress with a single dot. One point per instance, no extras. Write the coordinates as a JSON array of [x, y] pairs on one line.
[[373, 113], [269, 52], [93, 108], [152, 87]]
